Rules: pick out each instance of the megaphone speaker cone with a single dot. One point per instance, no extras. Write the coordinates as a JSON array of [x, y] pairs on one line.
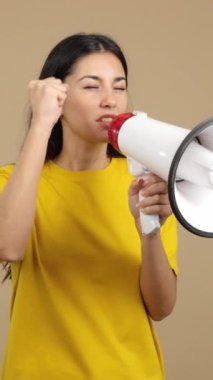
[[191, 196]]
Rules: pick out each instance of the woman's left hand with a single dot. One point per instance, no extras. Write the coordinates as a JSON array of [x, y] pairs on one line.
[[155, 201]]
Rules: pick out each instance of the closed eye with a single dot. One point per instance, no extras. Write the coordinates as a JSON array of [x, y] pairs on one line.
[[120, 88], [90, 87]]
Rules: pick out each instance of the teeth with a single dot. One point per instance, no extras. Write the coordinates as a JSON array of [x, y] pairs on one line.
[[107, 119]]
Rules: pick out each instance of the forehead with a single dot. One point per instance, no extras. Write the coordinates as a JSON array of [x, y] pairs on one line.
[[100, 63]]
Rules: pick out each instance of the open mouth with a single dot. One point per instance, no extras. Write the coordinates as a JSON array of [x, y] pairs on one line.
[[106, 120]]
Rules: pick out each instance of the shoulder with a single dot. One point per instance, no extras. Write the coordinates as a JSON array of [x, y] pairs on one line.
[[120, 164]]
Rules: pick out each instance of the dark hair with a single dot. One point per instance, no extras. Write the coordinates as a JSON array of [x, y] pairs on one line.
[[60, 63], [7, 268]]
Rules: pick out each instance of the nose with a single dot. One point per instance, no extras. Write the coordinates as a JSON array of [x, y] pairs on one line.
[[108, 99]]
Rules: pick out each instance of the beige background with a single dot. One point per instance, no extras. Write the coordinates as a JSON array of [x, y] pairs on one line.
[[168, 45]]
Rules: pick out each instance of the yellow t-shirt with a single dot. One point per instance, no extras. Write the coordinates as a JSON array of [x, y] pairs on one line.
[[77, 311]]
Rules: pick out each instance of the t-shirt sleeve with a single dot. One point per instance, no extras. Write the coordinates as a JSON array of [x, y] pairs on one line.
[[170, 241], [5, 173]]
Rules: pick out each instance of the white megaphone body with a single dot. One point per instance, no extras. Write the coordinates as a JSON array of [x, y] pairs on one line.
[[182, 157]]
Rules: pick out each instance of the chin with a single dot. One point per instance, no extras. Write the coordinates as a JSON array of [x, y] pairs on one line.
[[103, 136]]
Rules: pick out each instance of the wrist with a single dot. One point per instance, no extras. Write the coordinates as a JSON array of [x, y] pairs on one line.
[[155, 234], [41, 127]]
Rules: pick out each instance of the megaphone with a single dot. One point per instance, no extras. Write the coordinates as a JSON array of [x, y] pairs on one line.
[[182, 157]]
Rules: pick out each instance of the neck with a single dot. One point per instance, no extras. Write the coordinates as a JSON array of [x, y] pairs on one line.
[[80, 154], [82, 160], [83, 156]]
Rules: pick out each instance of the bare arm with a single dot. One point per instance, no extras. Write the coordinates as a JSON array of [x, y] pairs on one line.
[[18, 199], [157, 279]]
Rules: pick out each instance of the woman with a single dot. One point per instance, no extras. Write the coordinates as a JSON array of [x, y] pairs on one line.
[[86, 282]]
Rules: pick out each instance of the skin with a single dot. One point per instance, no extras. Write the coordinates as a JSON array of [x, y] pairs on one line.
[[97, 87], [88, 98]]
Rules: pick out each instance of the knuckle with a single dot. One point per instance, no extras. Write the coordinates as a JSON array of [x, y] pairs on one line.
[[31, 84], [158, 209], [157, 198]]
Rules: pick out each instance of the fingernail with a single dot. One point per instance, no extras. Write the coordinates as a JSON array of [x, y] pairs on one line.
[[141, 181]]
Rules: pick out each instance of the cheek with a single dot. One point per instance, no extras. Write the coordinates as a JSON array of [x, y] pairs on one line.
[[123, 104], [72, 107], [77, 112], [80, 102], [122, 99]]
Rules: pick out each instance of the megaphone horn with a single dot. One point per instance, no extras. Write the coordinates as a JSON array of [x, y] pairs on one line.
[[182, 157]]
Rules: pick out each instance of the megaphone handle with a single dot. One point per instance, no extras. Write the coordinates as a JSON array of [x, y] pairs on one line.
[[150, 224]]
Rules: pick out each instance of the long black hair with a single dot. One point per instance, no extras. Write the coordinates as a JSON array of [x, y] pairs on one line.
[[61, 62]]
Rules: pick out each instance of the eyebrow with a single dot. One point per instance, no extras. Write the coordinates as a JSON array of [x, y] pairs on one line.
[[95, 77]]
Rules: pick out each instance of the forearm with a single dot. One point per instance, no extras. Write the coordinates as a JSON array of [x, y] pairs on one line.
[[157, 280], [17, 201]]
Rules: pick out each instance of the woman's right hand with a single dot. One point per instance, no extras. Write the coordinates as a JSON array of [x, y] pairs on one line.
[[47, 97]]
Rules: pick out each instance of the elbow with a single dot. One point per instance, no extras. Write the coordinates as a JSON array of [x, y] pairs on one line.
[[157, 317], [10, 254], [162, 312]]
